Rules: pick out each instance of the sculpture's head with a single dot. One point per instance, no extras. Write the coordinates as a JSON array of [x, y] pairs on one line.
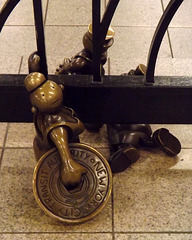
[[88, 41], [45, 95]]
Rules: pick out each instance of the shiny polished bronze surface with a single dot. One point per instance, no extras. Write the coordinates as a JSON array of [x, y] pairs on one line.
[[55, 125], [78, 204]]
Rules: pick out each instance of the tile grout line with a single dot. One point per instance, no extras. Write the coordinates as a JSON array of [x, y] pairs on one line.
[[112, 210], [4, 143], [47, 233], [154, 233], [20, 65], [168, 35], [170, 45], [46, 12], [109, 66]]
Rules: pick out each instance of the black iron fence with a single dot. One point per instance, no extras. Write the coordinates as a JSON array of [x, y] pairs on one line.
[[105, 99]]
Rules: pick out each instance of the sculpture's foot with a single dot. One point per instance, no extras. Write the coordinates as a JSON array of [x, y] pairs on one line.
[[71, 175], [64, 67], [166, 141], [123, 158]]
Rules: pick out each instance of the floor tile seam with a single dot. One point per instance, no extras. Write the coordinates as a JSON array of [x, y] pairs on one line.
[[46, 12], [153, 232], [162, 5], [20, 25], [179, 27], [112, 212], [167, 31], [17, 147], [85, 25], [134, 26], [169, 41], [4, 144], [51, 233], [20, 65], [65, 25]]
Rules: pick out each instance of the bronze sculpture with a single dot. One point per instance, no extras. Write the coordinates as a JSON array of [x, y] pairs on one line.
[[72, 181], [123, 138], [81, 63]]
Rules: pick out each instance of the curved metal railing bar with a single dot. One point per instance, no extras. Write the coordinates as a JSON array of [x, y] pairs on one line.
[[162, 26], [99, 33], [6, 10], [107, 17]]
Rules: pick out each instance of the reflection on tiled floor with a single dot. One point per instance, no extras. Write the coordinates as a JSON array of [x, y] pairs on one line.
[[150, 200]]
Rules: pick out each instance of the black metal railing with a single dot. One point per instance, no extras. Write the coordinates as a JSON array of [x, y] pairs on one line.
[[116, 99]]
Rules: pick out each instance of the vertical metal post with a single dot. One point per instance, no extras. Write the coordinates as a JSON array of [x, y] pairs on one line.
[[96, 15], [40, 38]]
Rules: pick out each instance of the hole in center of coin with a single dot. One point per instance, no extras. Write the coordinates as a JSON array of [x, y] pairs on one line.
[[76, 188]]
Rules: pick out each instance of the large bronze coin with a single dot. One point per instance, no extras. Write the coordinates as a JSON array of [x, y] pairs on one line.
[[78, 204]]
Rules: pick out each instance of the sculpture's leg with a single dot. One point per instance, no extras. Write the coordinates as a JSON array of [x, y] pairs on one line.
[[121, 159], [123, 140]]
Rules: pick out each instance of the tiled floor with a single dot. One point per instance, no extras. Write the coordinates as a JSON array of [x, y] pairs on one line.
[[150, 200]]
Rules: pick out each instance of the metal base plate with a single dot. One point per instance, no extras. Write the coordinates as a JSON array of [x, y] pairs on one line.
[[82, 202]]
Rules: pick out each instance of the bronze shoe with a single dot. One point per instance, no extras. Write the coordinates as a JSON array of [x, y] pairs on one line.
[[163, 139], [123, 158]]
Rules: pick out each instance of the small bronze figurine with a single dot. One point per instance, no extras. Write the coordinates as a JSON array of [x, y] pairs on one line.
[[81, 63], [125, 138], [55, 125]]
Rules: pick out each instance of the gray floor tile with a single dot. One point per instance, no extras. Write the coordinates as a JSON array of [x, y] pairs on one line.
[[137, 13], [3, 128], [23, 14], [154, 194], [153, 236], [173, 67], [20, 135], [16, 42], [95, 139], [164, 66], [181, 42], [56, 236], [18, 209], [183, 16], [130, 43], [2, 2], [70, 12], [10, 63]]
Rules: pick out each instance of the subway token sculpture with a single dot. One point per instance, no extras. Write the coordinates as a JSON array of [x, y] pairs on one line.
[[72, 181]]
